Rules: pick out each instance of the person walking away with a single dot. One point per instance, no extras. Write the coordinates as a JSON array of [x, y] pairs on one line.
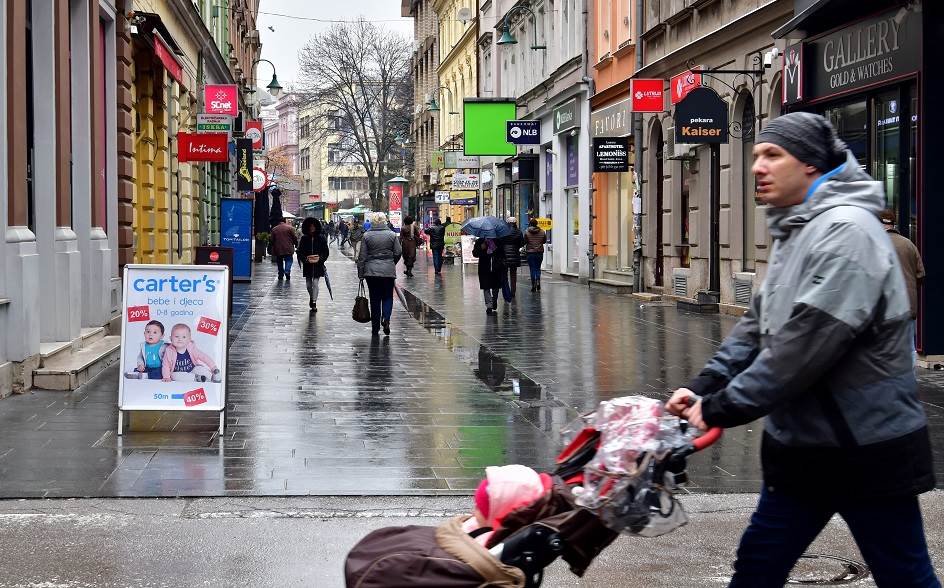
[[312, 254], [511, 247], [491, 270], [912, 269], [437, 242], [343, 229], [534, 240], [824, 353], [355, 236], [377, 264], [283, 248], [332, 232], [409, 241]]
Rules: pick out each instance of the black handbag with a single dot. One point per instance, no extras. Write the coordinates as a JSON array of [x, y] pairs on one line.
[[361, 312]]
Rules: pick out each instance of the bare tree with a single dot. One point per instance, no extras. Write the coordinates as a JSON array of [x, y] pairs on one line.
[[357, 79]]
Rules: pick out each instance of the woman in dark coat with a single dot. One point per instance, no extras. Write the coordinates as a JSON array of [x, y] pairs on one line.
[[409, 240], [491, 270], [312, 254], [511, 246]]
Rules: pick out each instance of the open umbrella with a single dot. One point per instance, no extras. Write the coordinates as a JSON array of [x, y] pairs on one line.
[[488, 227], [328, 283]]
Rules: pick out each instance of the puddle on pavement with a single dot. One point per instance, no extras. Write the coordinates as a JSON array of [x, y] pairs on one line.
[[535, 402]]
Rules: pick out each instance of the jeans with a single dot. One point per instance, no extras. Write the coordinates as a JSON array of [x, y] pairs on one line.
[[437, 259], [381, 299], [491, 298], [285, 264], [888, 531], [312, 284], [510, 283], [914, 342], [534, 264]]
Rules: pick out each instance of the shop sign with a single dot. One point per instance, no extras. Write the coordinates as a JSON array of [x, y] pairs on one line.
[[456, 160], [173, 337], [434, 176], [215, 123], [453, 234], [254, 132], [702, 117], [573, 175], [221, 99], [236, 232], [792, 86], [166, 56], [523, 132], [462, 181], [244, 165], [260, 179], [647, 95], [464, 197], [436, 160], [468, 243], [873, 50], [395, 196], [611, 154], [441, 197], [681, 84], [205, 147], [567, 116], [611, 121], [544, 224]]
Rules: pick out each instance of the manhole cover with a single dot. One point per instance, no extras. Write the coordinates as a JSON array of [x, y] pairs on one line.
[[827, 570]]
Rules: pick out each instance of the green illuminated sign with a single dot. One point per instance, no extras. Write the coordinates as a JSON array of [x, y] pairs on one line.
[[484, 128]]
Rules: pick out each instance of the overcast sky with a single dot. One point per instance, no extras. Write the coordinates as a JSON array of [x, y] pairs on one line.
[[291, 34]]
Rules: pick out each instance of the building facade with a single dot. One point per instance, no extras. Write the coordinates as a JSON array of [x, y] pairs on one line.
[[675, 177], [327, 172]]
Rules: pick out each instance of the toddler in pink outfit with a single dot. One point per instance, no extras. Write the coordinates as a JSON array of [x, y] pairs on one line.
[[504, 490]]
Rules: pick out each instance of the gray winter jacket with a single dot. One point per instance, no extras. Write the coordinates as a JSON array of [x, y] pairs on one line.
[[824, 351], [380, 251]]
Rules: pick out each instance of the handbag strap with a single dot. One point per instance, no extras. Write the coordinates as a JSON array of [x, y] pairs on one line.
[[360, 290]]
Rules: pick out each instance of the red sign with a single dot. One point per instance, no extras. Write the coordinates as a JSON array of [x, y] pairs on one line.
[[680, 85], [195, 397], [208, 326], [170, 62], [221, 99], [396, 197], [254, 132], [648, 95], [138, 313], [214, 256], [202, 147]]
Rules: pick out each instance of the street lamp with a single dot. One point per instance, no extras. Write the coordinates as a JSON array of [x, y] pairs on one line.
[[508, 39], [433, 106], [274, 87]]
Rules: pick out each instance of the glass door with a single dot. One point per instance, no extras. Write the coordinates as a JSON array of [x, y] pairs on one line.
[[573, 223], [885, 165]]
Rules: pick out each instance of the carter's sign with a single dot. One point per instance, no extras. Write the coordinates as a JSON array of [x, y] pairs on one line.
[[221, 99]]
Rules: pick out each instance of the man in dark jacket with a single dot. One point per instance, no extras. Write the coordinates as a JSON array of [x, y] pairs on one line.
[[284, 241], [511, 247], [824, 352], [437, 242], [911, 267]]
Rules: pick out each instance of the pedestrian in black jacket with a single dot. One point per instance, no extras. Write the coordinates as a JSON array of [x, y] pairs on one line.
[[437, 242], [511, 247], [491, 270], [312, 254]]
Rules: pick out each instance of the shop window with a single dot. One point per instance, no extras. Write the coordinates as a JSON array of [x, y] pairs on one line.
[[851, 122], [886, 151], [685, 213], [748, 189]]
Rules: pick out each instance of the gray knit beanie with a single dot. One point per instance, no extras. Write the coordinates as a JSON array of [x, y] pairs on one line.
[[808, 137]]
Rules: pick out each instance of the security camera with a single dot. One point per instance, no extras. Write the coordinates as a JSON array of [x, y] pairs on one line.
[[550, 152], [770, 56]]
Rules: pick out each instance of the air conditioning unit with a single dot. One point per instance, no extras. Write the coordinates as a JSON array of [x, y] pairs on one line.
[[680, 281], [675, 150], [743, 288]]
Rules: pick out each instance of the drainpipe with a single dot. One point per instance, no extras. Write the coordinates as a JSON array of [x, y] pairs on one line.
[[638, 167], [591, 90]]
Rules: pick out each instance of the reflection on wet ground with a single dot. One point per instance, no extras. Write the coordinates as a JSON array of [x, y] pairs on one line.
[[318, 406]]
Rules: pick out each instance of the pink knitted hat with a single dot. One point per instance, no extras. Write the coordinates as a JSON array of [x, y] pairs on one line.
[[481, 499]]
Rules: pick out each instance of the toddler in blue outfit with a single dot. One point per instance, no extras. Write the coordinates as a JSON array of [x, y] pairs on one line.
[[151, 356]]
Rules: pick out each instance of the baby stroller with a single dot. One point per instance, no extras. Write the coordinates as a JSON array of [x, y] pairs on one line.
[[618, 473]]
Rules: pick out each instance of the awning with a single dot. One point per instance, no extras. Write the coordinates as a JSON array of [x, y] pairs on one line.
[[823, 15]]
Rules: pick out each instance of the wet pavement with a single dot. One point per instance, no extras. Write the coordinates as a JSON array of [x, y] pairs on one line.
[[318, 406]]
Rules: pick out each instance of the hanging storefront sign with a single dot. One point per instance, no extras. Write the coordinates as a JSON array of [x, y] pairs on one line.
[[523, 132], [573, 175], [681, 84], [647, 95], [456, 160], [870, 51], [215, 123], [453, 234], [567, 116], [395, 199], [702, 117], [468, 243], [441, 197], [202, 147], [464, 197], [436, 160], [792, 86], [610, 154], [260, 179], [244, 165], [254, 132], [544, 224], [166, 56], [236, 233], [462, 181], [221, 99], [611, 121], [173, 338]]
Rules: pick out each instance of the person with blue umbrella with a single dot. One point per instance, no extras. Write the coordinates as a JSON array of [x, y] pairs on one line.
[[488, 250]]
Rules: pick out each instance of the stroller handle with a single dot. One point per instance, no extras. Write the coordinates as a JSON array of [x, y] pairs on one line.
[[708, 439]]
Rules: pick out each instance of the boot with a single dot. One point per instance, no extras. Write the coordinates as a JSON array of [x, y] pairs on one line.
[[539, 284], [534, 285]]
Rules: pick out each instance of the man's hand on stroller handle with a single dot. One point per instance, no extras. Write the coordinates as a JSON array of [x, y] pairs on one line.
[[686, 404]]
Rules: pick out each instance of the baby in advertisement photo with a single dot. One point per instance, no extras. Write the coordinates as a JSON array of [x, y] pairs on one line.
[[184, 362], [150, 359]]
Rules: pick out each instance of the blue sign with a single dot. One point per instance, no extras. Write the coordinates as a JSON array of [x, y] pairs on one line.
[[236, 232], [523, 132]]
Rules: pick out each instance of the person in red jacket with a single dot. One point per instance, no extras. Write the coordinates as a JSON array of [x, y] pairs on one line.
[[284, 242]]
